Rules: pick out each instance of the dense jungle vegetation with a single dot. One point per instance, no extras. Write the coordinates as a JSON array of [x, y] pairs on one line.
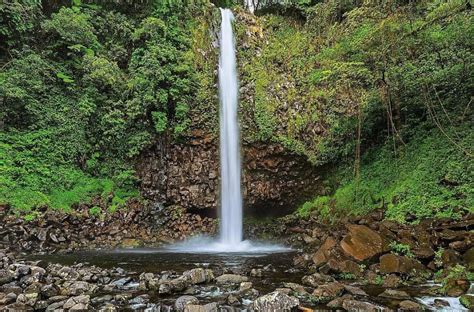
[[380, 90]]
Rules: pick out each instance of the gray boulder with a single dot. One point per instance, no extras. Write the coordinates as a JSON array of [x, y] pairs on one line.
[[231, 279], [275, 301], [183, 301]]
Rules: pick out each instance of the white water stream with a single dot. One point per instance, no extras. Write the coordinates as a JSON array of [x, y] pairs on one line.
[[231, 206], [231, 196]]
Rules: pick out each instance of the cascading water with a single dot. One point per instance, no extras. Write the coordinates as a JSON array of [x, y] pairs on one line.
[[250, 4], [231, 196]]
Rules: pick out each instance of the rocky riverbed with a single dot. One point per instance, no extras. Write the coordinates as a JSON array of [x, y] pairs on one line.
[[359, 264]]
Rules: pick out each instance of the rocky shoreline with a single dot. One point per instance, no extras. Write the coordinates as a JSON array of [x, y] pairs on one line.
[[362, 264], [138, 225]]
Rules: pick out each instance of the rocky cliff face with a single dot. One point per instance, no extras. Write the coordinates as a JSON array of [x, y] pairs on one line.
[[275, 180]]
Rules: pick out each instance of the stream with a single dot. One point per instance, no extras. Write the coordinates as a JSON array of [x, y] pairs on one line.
[[277, 269]]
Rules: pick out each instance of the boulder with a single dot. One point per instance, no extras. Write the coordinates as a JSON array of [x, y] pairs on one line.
[[232, 300], [210, 307], [73, 301], [392, 281], [6, 277], [256, 273], [183, 301], [441, 303], [49, 290], [148, 281], [423, 252], [79, 307], [450, 257], [22, 270], [323, 254], [468, 258], [408, 305], [337, 302], [231, 279], [41, 305], [353, 290], [275, 301], [121, 282], [297, 288], [467, 301], [328, 291], [142, 299], [344, 266], [175, 285], [15, 307], [358, 306], [57, 299], [395, 294], [245, 286], [363, 243], [28, 299], [391, 263], [8, 298], [199, 275], [316, 279], [456, 287], [77, 288]]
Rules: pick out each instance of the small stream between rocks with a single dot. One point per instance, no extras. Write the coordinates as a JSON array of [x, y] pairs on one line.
[[266, 272]]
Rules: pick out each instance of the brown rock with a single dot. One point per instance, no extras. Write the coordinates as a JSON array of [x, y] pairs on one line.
[[391, 263], [328, 291], [450, 258], [337, 302], [456, 288], [408, 305], [322, 255], [468, 258], [353, 290], [392, 281], [362, 243], [423, 252], [358, 306], [394, 294], [316, 279]]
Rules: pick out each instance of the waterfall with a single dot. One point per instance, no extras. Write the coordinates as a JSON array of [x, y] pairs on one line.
[[250, 4], [230, 239], [231, 196]]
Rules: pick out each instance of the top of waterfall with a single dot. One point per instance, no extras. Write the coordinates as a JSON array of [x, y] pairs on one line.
[[228, 12], [250, 5]]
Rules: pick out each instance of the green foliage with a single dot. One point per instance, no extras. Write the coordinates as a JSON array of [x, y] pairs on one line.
[[319, 205], [438, 259], [83, 90], [346, 276], [454, 273], [17, 19], [401, 249], [95, 211], [354, 64], [34, 174], [161, 120], [429, 177], [379, 280]]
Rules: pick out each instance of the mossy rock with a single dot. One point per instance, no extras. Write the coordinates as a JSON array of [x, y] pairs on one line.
[[467, 301]]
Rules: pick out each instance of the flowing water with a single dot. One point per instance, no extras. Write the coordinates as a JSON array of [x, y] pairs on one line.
[[231, 195], [231, 203], [250, 4]]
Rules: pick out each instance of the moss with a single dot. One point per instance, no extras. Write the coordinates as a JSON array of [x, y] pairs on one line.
[[467, 301]]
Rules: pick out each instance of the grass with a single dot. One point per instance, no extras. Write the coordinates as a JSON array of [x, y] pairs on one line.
[[429, 177]]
